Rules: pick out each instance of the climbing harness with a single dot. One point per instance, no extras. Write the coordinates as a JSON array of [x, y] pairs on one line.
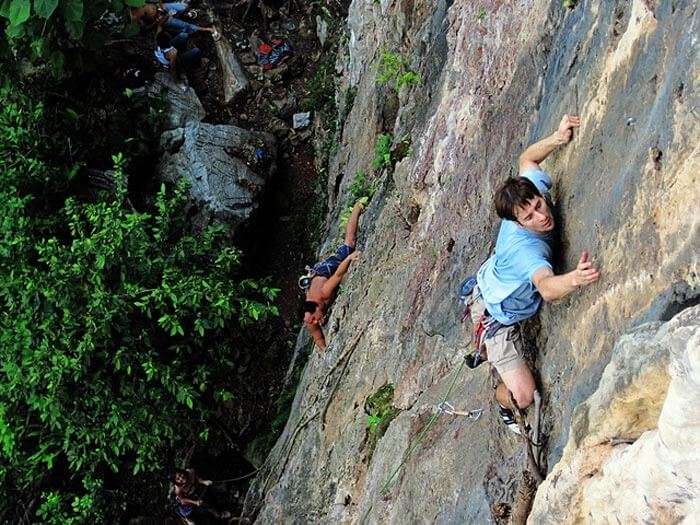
[[447, 408], [305, 280]]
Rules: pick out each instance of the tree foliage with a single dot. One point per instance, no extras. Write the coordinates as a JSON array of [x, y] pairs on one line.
[[45, 30], [116, 328]]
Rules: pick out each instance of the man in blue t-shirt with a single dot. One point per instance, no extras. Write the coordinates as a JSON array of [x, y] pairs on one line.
[[513, 281]]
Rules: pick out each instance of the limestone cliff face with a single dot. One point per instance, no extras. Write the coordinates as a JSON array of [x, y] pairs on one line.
[[495, 76], [627, 459]]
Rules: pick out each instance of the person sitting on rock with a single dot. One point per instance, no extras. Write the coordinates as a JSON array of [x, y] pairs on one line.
[[165, 16], [323, 279], [174, 55], [510, 285], [187, 504]]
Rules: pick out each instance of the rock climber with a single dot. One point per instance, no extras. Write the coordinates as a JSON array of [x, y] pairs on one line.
[[321, 282], [187, 504], [510, 286]]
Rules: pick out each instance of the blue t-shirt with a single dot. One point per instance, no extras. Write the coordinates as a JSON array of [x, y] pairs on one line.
[[505, 279]]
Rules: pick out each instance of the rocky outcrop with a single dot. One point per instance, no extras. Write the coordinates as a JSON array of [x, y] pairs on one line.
[[634, 445], [226, 166], [494, 76], [234, 80], [222, 164]]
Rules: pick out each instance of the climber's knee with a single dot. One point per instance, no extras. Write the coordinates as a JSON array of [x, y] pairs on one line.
[[521, 383]]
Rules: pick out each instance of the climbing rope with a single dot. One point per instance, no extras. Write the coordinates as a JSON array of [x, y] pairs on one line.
[[418, 440]]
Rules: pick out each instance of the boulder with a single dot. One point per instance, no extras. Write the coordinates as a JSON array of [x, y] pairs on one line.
[[182, 103], [226, 166], [234, 78]]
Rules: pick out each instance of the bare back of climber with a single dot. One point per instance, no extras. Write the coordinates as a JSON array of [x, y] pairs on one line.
[[323, 279], [512, 283]]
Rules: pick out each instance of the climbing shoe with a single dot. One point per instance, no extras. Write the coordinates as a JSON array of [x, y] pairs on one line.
[[508, 418]]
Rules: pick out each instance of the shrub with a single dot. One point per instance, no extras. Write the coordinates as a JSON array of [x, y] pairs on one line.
[[44, 30], [382, 152], [115, 333], [361, 190], [380, 413]]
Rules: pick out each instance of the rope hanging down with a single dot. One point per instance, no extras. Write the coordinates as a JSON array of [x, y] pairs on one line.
[[418, 440]]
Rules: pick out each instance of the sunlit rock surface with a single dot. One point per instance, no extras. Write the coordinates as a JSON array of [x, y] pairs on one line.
[[226, 166], [634, 447]]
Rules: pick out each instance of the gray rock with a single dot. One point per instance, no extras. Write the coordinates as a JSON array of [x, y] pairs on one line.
[[220, 163], [182, 105], [485, 92], [634, 447], [234, 77], [321, 30], [235, 81]]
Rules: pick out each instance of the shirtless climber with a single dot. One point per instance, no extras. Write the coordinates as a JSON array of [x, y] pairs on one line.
[[511, 284], [323, 279]]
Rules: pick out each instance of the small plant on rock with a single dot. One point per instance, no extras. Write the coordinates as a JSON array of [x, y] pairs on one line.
[[361, 190], [382, 152], [394, 68], [380, 413]]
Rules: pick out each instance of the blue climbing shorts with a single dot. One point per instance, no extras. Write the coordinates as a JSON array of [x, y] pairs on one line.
[[328, 266]]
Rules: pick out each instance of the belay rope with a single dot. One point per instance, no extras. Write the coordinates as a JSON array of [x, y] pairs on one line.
[[417, 441]]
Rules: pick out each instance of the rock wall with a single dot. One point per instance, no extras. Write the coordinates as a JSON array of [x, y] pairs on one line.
[[628, 460], [495, 77]]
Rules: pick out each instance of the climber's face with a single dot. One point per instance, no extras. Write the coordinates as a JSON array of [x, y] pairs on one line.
[[315, 318], [535, 216]]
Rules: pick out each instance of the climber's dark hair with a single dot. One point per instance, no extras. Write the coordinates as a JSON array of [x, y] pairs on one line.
[[513, 193], [177, 471], [310, 306]]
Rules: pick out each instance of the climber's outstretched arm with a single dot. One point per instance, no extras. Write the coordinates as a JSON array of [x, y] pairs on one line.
[[553, 287], [537, 152]]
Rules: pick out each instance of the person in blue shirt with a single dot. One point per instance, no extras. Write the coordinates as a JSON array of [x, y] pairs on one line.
[[513, 282]]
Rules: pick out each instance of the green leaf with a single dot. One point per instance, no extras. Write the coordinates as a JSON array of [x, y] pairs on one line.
[[135, 3], [73, 10], [57, 60], [45, 8], [15, 31], [19, 12], [75, 29], [5, 8]]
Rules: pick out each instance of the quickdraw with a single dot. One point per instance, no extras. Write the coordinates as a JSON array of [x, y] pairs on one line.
[[447, 408]]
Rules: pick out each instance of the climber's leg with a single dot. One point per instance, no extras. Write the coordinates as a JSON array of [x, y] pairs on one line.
[[520, 382]]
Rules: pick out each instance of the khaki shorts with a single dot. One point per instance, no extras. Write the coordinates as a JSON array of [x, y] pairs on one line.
[[503, 353]]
